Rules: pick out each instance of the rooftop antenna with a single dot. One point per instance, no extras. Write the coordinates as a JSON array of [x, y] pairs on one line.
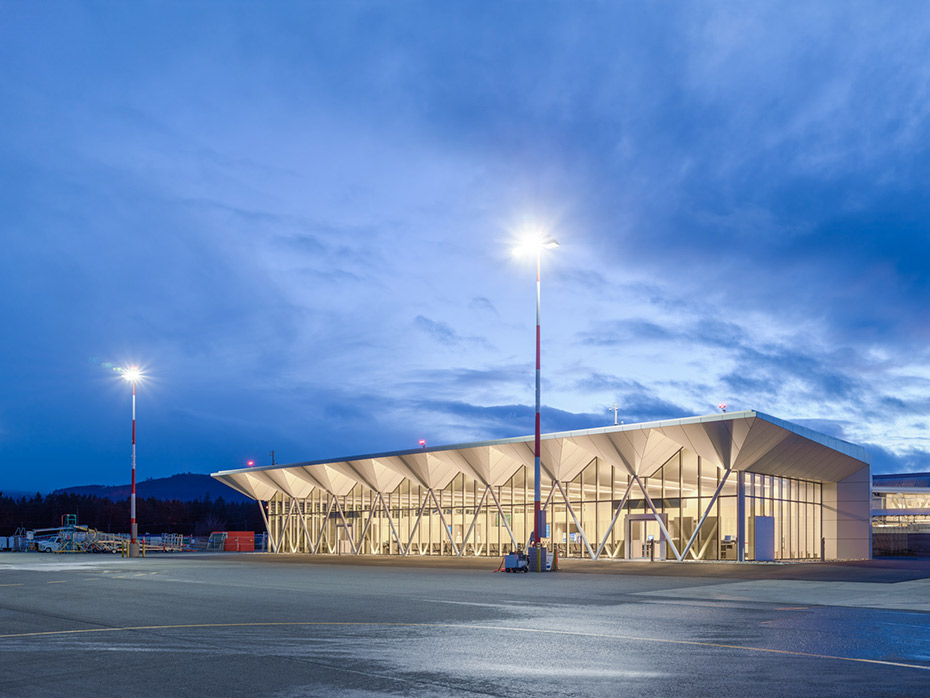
[[615, 408], [272, 457]]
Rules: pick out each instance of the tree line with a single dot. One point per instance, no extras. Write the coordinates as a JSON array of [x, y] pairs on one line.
[[196, 518]]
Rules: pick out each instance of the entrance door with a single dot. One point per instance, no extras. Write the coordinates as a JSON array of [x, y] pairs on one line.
[[644, 538]]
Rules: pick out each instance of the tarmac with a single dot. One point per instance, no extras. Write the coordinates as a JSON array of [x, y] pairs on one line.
[[219, 624]]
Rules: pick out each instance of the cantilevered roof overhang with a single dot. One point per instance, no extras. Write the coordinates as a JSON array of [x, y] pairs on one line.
[[744, 441]]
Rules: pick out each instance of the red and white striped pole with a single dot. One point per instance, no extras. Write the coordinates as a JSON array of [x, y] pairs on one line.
[[133, 375], [537, 245], [537, 494], [134, 531], [547, 243]]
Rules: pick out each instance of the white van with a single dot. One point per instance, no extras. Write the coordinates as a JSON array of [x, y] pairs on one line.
[[48, 545]]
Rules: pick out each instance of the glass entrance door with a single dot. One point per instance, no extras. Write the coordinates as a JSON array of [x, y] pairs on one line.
[[646, 540]]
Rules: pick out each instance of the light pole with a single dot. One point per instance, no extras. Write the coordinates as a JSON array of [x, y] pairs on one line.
[[133, 375], [545, 243]]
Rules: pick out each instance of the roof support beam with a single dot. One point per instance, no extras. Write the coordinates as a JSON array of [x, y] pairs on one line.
[[613, 521], [383, 507], [329, 508], [474, 520], [303, 522], [345, 524], [575, 519], [500, 510], [274, 544], [713, 500], [668, 538]]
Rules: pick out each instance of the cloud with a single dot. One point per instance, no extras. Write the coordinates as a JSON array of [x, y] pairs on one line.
[[298, 218], [482, 304], [439, 331]]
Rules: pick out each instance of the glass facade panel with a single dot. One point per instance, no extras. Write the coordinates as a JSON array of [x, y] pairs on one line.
[[464, 515]]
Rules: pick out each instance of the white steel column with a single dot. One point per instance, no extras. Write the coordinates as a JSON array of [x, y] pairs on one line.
[[323, 522], [668, 538], [448, 529], [302, 513], [713, 500], [261, 508], [345, 525], [473, 521], [575, 519], [500, 510], [416, 524], [613, 521], [741, 517]]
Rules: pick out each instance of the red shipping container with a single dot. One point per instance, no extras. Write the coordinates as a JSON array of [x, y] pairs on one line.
[[240, 541]]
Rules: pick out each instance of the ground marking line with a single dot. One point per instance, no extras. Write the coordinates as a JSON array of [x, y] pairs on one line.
[[21, 584], [60, 581], [608, 636]]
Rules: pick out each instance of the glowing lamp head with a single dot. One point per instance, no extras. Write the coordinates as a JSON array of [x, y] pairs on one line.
[[534, 244], [132, 374]]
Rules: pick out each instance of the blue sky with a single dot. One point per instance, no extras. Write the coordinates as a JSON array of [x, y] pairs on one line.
[[296, 216]]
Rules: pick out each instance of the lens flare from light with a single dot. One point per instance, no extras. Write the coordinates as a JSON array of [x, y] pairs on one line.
[[132, 374], [533, 243]]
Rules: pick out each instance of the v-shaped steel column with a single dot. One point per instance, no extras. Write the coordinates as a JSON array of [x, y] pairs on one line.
[[274, 544], [417, 522], [287, 520], [302, 515], [345, 525], [658, 516], [500, 510], [442, 518], [713, 500], [371, 514], [319, 538], [474, 520], [613, 521], [575, 519]]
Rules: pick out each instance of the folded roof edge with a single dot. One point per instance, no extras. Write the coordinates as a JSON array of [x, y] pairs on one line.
[[844, 447]]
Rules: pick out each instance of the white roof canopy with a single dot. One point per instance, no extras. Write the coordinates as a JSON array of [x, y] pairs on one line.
[[744, 441]]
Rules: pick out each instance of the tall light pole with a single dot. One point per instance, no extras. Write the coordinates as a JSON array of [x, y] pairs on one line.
[[133, 375], [545, 243]]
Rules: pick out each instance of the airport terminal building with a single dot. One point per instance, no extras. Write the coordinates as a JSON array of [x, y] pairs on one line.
[[736, 486]]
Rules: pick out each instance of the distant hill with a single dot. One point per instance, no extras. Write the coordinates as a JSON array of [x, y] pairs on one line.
[[186, 487]]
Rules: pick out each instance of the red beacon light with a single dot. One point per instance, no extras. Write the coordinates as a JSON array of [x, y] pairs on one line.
[[422, 443], [722, 407], [250, 463]]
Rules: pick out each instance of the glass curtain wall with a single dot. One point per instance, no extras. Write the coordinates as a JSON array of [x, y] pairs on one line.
[[442, 521]]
